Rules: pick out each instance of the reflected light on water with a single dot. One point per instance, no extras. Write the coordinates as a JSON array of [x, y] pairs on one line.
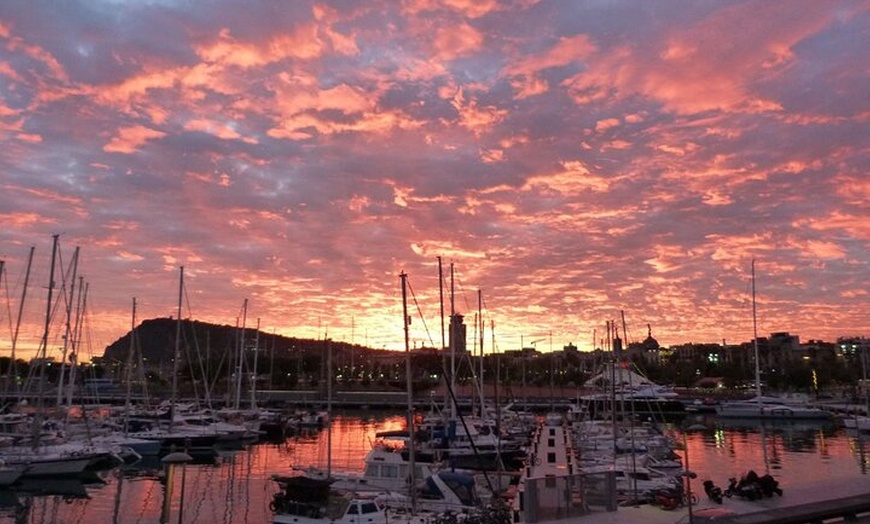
[[236, 487]]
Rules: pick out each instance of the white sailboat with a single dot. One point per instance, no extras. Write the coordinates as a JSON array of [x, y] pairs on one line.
[[767, 406], [45, 452]]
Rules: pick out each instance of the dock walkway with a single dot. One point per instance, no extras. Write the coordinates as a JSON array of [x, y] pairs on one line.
[[830, 500]]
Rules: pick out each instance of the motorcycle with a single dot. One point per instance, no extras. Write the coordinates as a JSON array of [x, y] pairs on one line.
[[713, 491], [752, 487]]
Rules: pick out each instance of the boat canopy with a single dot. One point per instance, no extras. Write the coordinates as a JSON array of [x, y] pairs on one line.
[[619, 375]]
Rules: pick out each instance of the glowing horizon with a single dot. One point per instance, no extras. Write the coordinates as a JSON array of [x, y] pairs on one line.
[[574, 161]]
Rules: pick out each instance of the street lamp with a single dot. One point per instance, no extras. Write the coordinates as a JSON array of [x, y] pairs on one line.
[[170, 461]]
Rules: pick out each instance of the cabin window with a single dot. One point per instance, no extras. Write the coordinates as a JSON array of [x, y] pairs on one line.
[[640, 475], [373, 470], [353, 509], [369, 507], [388, 471]]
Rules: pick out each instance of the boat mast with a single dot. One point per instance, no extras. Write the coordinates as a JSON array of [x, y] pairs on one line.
[[127, 371], [480, 323], [454, 409], [81, 307], [410, 392], [238, 391], [329, 408], [441, 302], [44, 344], [13, 372], [177, 354], [758, 373], [254, 372], [755, 338], [67, 326]]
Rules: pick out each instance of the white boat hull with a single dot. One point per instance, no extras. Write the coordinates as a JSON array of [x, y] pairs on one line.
[[55, 466]]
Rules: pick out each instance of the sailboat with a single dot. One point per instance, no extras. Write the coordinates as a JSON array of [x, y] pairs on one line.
[[45, 452], [766, 406], [193, 441]]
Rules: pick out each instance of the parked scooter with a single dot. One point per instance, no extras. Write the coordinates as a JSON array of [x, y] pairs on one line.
[[713, 491], [752, 487]]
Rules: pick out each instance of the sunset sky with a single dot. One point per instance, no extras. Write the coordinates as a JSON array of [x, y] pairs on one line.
[[571, 159]]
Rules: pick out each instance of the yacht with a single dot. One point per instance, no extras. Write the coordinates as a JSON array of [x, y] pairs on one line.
[[771, 407]]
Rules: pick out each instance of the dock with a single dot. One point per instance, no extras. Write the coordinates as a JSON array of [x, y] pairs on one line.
[[553, 491], [844, 508]]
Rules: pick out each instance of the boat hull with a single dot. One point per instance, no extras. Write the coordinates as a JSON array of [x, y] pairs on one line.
[[598, 407], [56, 467], [772, 413]]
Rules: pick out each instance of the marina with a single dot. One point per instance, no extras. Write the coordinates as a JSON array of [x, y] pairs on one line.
[[812, 461]]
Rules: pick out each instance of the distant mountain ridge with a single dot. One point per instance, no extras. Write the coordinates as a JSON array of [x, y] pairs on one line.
[[155, 342]]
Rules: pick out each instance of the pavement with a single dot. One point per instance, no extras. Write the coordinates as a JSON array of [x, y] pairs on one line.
[[647, 514]]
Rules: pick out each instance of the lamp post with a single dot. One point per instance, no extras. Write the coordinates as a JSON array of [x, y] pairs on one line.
[[688, 474], [170, 461]]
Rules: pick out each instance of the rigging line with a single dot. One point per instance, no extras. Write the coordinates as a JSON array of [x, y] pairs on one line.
[[199, 358], [462, 292], [8, 301], [420, 312]]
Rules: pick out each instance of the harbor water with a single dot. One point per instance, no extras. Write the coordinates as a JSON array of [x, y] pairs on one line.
[[236, 487]]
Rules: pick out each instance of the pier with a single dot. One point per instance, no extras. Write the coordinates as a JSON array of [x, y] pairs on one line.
[[552, 490], [845, 508]]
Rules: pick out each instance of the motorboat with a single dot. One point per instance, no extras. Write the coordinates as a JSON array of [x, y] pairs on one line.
[[387, 468], [306, 500], [442, 492]]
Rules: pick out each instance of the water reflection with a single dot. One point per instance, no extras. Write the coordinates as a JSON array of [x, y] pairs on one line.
[[235, 487]]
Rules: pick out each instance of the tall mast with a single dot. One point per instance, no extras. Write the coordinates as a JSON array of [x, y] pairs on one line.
[[454, 410], [12, 366], [329, 408], [128, 376], [481, 325], [44, 344], [755, 337], [441, 302], [177, 353], [238, 398], [67, 325], [81, 307], [410, 391], [254, 371]]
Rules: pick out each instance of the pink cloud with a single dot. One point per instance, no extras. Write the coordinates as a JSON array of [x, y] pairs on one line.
[[130, 139], [453, 42]]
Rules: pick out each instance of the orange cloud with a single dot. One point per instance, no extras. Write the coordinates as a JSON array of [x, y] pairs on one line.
[[467, 8], [23, 220], [567, 50], [704, 67], [453, 42], [130, 139], [476, 119], [218, 129], [573, 179]]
